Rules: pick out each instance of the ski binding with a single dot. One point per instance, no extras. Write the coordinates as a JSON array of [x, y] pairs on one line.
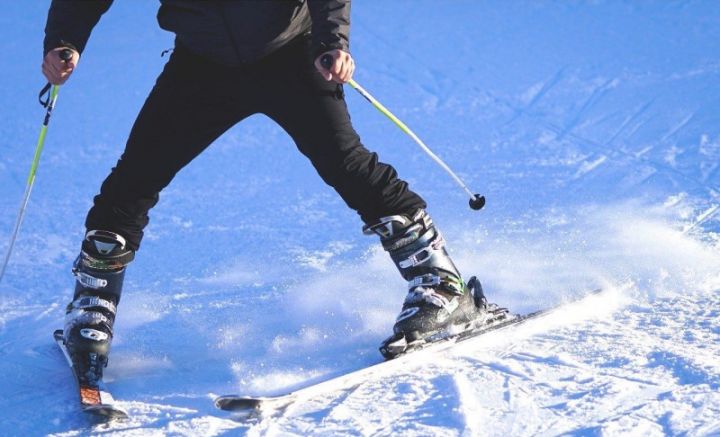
[[95, 400]]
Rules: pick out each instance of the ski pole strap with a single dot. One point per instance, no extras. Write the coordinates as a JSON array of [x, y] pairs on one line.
[[49, 104], [45, 92]]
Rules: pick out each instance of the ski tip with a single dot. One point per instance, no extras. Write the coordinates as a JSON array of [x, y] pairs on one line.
[[58, 334], [238, 403], [107, 412]]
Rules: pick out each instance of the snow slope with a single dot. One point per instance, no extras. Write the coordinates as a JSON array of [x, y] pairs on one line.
[[593, 128]]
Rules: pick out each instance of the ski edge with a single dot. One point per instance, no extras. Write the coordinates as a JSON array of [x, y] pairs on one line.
[[250, 404]]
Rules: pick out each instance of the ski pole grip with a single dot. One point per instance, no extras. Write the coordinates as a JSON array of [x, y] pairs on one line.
[[327, 61]]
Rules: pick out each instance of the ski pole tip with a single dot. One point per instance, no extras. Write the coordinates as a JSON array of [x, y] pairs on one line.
[[477, 202]]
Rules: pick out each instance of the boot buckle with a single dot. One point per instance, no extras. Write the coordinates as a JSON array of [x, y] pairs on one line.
[[427, 280], [89, 281], [424, 254], [416, 258]]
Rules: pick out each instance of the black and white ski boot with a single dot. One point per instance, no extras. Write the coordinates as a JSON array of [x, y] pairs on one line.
[[99, 272], [438, 304]]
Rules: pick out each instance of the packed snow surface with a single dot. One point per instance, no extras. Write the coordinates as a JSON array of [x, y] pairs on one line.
[[593, 129]]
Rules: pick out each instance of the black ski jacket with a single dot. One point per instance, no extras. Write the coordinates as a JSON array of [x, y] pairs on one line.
[[230, 32]]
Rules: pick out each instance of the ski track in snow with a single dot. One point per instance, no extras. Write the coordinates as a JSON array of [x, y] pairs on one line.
[[592, 128]]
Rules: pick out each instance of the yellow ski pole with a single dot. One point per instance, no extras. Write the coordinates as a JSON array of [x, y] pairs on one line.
[[476, 201], [65, 55]]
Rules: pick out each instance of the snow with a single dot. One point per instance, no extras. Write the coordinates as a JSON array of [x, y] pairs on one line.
[[591, 127]]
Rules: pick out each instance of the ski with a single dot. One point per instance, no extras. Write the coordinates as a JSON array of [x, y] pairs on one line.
[[251, 406], [95, 400]]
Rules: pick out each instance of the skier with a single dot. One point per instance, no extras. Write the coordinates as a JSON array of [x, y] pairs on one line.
[[233, 59]]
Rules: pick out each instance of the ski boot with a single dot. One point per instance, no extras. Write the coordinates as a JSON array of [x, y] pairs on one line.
[[99, 271], [439, 304]]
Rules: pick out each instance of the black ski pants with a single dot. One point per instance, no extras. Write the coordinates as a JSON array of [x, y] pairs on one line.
[[194, 101]]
